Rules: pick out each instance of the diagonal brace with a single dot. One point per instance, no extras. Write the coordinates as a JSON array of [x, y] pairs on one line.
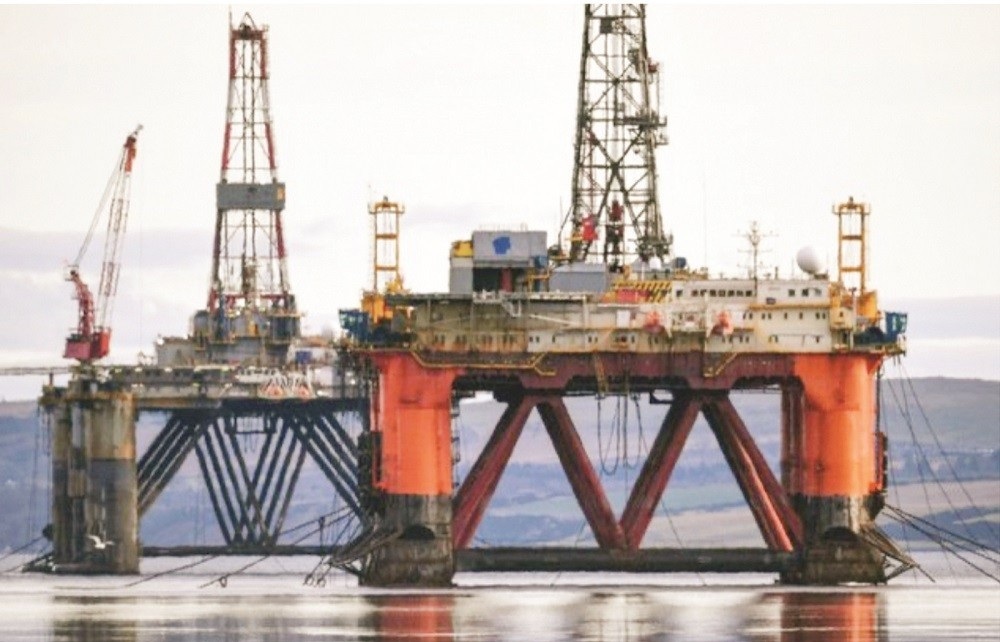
[[581, 474], [776, 494], [481, 482], [652, 481], [749, 479]]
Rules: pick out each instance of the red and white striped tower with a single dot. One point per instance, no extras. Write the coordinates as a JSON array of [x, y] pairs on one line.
[[249, 261]]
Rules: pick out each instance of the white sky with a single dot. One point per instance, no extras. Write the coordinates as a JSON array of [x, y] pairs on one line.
[[466, 114]]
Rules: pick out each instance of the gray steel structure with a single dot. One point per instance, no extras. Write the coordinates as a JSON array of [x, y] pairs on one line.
[[243, 370], [94, 519], [101, 489], [615, 213]]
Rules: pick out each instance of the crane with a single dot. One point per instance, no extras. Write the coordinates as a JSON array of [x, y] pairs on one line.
[[90, 340]]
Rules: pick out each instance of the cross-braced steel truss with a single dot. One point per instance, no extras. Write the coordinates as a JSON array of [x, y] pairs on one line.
[[251, 493], [778, 523]]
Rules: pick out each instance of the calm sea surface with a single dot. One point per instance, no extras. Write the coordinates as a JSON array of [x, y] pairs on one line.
[[271, 603]]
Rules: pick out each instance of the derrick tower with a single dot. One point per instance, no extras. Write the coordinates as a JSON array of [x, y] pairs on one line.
[[615, 215], [251, 309]]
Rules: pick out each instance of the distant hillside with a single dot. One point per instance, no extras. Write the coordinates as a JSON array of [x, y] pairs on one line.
[[533, 501], [964, 412], [24, 473]]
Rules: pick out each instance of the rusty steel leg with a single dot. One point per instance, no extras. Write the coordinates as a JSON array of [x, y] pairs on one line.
[[791, 523], [753, 489], [95, 485], [652, 481], [580, 472], [67, 503], [472, 498]]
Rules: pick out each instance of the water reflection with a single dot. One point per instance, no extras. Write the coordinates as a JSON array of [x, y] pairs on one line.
[[620, 614], [407, 617], [823, 616], [84, 619], [96, 630]]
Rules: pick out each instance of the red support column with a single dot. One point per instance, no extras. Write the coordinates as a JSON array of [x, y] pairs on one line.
[[412, 467], [477, 489], [750, 483], [652, 481], [792, 468], [838, 425], [580, 473], [413, 416], [838, 491]]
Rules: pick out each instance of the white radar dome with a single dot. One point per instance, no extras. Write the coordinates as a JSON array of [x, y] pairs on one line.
[[808, 261], [655, 263]]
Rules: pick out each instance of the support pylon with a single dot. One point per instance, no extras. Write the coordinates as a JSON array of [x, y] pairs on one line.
[[94, 519], [411, 480]]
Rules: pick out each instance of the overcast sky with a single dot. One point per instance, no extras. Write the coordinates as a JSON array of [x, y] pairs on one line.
[[466, 114]]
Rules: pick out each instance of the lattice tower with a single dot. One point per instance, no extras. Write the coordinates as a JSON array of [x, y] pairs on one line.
[[615, 215], [249, 261]]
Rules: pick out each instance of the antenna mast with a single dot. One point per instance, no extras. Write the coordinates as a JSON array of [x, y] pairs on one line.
[[754, 237]]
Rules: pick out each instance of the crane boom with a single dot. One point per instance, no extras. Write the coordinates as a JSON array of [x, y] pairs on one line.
[[91, 338]]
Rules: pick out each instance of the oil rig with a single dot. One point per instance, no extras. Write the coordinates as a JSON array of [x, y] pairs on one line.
[[615, 312], [244, 369], [608, 309]]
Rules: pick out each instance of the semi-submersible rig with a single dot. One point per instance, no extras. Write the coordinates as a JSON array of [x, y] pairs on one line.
[[610, 311]]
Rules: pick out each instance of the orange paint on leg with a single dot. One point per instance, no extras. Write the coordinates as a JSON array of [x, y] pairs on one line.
[[413, 415], [837, 454]]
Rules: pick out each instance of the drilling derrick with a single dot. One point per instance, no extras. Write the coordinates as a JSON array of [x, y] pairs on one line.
[[251, 315], [615, 215]]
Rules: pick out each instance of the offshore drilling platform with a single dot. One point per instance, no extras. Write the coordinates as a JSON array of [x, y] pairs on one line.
[[245, 369], [608, 309]]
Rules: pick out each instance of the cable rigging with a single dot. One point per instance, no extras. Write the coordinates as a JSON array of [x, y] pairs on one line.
[[950, 542]]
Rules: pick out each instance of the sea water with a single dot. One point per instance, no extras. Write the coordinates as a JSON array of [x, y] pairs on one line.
[[271, 602]]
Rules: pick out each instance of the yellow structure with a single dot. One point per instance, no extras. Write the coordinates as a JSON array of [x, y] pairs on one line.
[[852, 256], [386, 277]]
